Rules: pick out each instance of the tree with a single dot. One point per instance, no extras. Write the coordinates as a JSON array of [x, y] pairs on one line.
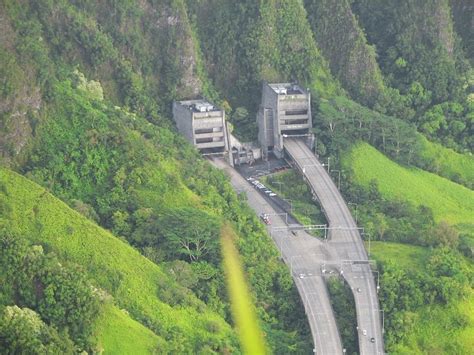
[[191, 232], [445, 235], [23, 332]]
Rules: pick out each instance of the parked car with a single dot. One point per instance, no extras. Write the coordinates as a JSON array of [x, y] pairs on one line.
[[264, 217]]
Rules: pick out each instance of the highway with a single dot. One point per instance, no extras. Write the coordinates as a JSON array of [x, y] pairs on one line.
[[345, 240], [305, 256]]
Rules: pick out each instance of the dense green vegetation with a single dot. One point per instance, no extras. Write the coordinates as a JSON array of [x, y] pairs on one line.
[[427, 299], [345, 47], [447, 163], [85, 94], [343, 305], [150, 296], [448, 201], [297, 195], [424, 292], [421, 56]]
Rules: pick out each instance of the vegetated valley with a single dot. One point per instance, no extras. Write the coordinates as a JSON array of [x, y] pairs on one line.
[[111, 223]]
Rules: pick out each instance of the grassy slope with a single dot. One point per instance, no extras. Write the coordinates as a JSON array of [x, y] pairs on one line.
[[447, 162], [449, 201], [120, 334], [135, 282], [432, 330], [407, 256]]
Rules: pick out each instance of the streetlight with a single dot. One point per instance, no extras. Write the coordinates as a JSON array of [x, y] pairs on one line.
[[339, 177], [383, 321], [378, 280], [290, 203], [355, 204], [364, 233], [279, 184]]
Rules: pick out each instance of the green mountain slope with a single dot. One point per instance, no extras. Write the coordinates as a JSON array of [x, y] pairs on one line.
[[246, 42], [449, 201], [434, 328], [417, 43], [343, 44], [447, 162], [118, 333], [137, 285]]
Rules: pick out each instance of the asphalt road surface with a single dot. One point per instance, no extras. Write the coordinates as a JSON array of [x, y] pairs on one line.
[[305, 256], [345, 240]]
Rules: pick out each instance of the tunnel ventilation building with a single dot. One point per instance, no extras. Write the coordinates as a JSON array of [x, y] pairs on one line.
[[285, 110], [203, 125]]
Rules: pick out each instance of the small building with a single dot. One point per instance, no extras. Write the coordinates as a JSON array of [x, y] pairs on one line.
[[203, 125], [244, 152], [285, 110]]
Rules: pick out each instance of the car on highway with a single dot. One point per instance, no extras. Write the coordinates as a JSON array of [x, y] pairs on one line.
[[364, 332], [358, 289], [264, 217], [372, 340]]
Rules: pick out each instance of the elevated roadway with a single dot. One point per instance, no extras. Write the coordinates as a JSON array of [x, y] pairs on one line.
[[305, 256], [345, 240]]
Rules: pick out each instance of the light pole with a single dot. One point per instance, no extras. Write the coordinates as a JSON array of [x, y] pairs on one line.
[[355, 204], [339, 178], [279, 186], [378, 280], [369, 243], [383, 321]]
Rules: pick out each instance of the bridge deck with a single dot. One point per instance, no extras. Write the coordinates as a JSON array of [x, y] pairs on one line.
[[304, 255], [346, 242]]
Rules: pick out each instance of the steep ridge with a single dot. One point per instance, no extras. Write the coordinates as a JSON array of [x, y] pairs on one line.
[[342, 42], [136, 284], [246, 42], [417, 39]]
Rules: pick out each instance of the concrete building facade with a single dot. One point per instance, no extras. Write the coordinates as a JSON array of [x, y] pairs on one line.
[[285, 110], [203, 125]]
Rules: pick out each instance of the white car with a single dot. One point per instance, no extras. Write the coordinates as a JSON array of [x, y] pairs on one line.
[[272, 194]]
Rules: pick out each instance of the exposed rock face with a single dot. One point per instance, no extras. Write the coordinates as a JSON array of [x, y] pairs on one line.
[[20, 100]]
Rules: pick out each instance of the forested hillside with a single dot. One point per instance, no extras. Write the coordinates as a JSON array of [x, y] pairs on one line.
[[98, 192]]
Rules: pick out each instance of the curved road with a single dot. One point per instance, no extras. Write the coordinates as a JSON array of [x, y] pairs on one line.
[[346, 241], [304, 255]]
